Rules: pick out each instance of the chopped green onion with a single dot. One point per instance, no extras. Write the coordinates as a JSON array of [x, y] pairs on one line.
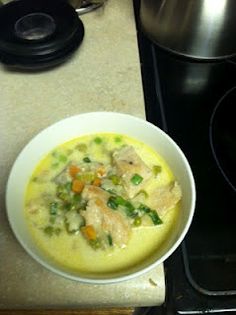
[[77, 198], [136, 179], [109, 238], [115, 201], [152, 214], [155, 217], [112, 203], [129, 209], [131, 214], [98, 140], [111, 191], [156, 169], [68, 186], [87, 160], [144, 208], [120, 201], [53, 208]]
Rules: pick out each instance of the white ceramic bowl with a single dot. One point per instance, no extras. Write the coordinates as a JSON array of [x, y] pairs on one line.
[[88, 123]]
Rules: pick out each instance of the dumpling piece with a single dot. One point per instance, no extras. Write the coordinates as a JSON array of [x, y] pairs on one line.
[[165, 197], [131, 168], [103, 219]]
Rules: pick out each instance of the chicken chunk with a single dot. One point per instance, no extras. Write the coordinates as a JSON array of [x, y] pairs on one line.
[[128, 164], [164, 198], [104, 219]]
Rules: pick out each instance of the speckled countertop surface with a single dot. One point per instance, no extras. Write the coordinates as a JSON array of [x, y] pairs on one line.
[[103, 74]]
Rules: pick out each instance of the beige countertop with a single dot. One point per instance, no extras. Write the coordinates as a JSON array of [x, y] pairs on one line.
[[102, 75]]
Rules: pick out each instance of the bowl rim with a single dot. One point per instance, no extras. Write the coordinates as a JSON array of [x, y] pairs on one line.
[[118, 278]]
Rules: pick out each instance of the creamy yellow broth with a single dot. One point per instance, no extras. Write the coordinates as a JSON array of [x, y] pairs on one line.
[[72, 251]]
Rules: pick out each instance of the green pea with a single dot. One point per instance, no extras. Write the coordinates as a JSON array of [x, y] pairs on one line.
[[137, 221], [115, 179], [62, 158], [98, 140], [53, 208], [117, 139], [156, 169]]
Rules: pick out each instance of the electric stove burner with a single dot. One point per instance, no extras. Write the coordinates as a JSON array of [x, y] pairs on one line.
[[223, 136], [184, 97], [88, 6]]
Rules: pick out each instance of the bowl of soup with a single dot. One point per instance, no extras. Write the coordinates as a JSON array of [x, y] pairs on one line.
[[100, 197]]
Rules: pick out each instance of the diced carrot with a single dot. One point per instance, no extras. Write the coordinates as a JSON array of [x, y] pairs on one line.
[[74, 170], [97, 182], [101, 171], [77, 186], [89, 232]]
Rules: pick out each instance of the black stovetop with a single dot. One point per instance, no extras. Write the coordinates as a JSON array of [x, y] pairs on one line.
[[181, 97]]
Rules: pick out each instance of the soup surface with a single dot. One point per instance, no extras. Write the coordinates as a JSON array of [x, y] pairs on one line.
[[101, 203]]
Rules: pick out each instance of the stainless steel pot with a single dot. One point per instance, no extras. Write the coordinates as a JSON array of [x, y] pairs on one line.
[[84, 6], [202, 29]]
